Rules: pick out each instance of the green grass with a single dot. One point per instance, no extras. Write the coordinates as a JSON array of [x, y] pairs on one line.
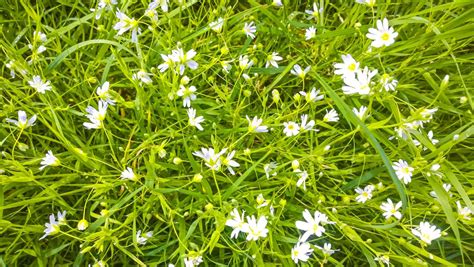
[[188, 216]]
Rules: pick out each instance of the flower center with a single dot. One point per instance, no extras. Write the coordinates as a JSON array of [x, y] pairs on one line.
[[385, 36], [352, 67]]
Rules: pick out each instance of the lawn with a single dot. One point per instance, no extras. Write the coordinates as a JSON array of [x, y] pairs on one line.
[[236, 133]]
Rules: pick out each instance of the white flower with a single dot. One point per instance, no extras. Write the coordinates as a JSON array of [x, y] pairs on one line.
[[211, 159], [464, 213], [142, 76], [193, 120], [244, 62], [302, 180], [331, 116], [125, 23], [143, 238], [315, 12], [49, 160], [250, 29], [301, 252], [272, 60], [39, 85], [229, 162], [256, 229], [426, 232], [62, 218], [82, 225], [312, 224], [383, 35], [291, 128], [96, 116], [348, 67], [151, 11], [187, 93], [390, 209], [217, 25], [306, 126], [269, 169], [237, 222], [23, 121], [103, 4], [312, 96], [52, 227], [191, 261], [103, 93], [310, 33], [431, 138], [255, 125], [326, 249], [277, 3], [298, 71], [383, 259], [361, 112], [261, 201], [364, 194], [163, 4], [446, 187], [38, 36], [367, 2], [184, 59], [361, 84], [427, 114], [128, 174], [388, 82], [168, 62], [226, 67], [403, 171]]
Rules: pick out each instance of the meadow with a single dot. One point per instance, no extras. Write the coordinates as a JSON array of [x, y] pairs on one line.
[[236, 133]]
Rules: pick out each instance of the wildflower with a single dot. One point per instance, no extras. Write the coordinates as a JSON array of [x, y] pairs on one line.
[[38, 84], [62, 218], [364, 194], [163, 4], [126, 24], [361, 112], [261, 201], [52, 227], [427, 114], [348, 67], [23, 121], [298, 71], [38, 36], [295, 164], [464, 213], [370, 3], [312, 96], [403, 171], [326, 249], [383, 259], [431, 138], [244, 62], [184, 59], [255, 125], [250, 29], [360, 84], [272, 60], [82, 225], [388, 82], [211, 159], [331, 116], [143, 238], [193, 120], [301, 252], [269, 169], [312, 224], [291, 128], [191, 261], [229, 162], [310, 33], [256, 229], [446, 187], [315, 12], [128, 174], [383, 35], [103, 93], [302, 180], [187, 93], [304, 125], [96, 116], [226, 67], [103, 5], [390, 209], [151, 11], [217, 25], [142, 76], [168, 62], [49, 160], [237, 222], [277, 3], [426, 232]]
